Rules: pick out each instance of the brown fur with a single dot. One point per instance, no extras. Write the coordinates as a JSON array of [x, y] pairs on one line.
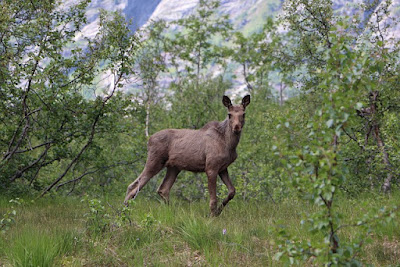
[[210, 149]]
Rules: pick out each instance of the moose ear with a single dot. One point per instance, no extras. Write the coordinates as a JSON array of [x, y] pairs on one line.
[[246, 101], [226, 101]]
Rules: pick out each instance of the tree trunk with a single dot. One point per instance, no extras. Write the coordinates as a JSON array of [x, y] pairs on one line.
[[147, 119], [386, 161], [281, 89], [371, 112]]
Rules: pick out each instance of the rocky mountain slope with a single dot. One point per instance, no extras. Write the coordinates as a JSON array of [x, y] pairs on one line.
[[246, 15]]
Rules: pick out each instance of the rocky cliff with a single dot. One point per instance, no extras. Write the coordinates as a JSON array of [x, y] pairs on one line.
[[246, 15]]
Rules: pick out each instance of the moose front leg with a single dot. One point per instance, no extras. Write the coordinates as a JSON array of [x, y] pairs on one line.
[[212, 189], [231, 189]]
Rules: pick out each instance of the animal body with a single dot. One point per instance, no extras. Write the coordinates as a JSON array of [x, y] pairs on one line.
[[210, 149]]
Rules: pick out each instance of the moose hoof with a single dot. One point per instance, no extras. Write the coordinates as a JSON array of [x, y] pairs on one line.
[[217, 211], [127, 198], [215, 214], [163, 197]]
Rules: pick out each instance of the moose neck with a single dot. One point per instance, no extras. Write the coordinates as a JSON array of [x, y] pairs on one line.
[[231, 139]]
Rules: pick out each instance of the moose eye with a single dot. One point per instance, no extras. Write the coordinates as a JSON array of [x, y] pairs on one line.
[[244, 115], [229, 115]]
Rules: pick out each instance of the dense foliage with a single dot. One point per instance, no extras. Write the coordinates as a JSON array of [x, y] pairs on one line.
[[55, 111]]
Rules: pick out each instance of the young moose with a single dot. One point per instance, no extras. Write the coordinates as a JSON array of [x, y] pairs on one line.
[[210, 149]]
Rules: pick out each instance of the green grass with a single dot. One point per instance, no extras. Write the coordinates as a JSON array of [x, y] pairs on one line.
[[56, 232], [35, 247]]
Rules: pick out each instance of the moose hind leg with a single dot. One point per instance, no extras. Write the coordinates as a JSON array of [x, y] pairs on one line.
[[150, 170], [167, 183]]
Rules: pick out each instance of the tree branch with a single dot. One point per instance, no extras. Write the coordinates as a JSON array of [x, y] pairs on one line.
[[19, 173], [87, 172], [91, 137]]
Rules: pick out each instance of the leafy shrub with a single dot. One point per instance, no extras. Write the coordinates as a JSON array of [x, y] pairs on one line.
[[8, 218]]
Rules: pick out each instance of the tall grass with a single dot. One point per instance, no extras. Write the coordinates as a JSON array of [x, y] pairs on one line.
[[34, 247], [54, 233], [199, 233]]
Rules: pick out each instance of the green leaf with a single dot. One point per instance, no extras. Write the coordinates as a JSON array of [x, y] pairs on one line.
[[278, 255], [329, 123]]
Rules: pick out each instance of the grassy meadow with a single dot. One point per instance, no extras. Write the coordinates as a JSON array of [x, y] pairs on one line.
[[71, 232]]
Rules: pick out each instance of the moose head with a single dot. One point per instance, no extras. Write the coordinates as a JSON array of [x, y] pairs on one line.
[[236, 113]]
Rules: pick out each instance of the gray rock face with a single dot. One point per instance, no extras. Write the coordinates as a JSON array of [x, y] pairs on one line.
[[140, 11], [246, 15], [243, 13], [174, 9]]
